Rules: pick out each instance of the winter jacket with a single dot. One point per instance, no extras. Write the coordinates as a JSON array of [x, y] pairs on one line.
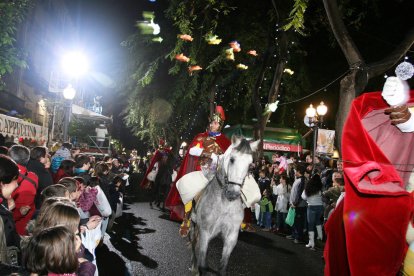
[[282, 198], [266, 205], [12, 238], [296, 193], [44, 176], [24, 195], [114, 195]]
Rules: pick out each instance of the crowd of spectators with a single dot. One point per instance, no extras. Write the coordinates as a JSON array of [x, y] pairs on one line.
[[55, 208], [310, 186]]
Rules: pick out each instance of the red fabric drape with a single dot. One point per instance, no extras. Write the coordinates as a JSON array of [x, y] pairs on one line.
[[189, 164], [366, 233]]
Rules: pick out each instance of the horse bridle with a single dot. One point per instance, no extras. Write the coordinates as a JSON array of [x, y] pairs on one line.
[[226, 179]]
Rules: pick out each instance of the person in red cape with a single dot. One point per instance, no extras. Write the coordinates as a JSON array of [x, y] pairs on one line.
[[366, 234], [145, 183], [212, 141]]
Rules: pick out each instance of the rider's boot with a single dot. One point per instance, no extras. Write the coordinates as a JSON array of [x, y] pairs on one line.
[[185, 226]]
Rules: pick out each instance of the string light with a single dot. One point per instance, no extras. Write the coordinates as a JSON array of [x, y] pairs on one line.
[[317, 91]]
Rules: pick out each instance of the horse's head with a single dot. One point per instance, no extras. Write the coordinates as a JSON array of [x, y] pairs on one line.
[[235, 165]]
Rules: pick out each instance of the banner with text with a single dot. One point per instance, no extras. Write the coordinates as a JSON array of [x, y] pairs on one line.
[[11, 126], [281, 147]]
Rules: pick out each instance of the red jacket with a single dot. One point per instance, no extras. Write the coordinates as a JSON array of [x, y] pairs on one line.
[[24, 195], [366, 232], [189, 164]]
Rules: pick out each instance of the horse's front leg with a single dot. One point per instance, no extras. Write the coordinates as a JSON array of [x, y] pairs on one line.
[[230, 242], [204, 239]]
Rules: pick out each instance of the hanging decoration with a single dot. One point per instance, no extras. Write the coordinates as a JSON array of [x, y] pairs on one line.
[[235, 46], [185, 37], [182, 58], [157, 39], [404, 70], [241, 66], [289, 71], [271, 107], [252, 53], [213, 40], [230, 54], [193, 68]]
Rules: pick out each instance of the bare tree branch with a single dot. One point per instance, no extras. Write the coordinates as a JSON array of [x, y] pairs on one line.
[[379, 67]]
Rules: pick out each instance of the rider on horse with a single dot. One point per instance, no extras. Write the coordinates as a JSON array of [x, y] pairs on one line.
[[198, 158]]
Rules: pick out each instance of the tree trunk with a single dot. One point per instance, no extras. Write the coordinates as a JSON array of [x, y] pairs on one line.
[[350, 87]]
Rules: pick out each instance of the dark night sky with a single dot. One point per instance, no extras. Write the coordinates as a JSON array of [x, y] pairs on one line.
[[103, 25]]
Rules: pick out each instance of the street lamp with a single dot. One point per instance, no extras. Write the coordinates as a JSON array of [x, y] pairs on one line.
[[74, 64], [315, 117], [68, 93]]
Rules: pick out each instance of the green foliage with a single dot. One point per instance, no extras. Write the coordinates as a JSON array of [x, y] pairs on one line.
[[82, 129], [12, 13], [297, 17], [117, 145]]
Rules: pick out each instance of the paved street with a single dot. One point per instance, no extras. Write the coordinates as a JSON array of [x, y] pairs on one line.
[[145, 242]]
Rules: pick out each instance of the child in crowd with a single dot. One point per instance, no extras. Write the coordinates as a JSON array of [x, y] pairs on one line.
[[263, 181], [266, 210], [282, 192]]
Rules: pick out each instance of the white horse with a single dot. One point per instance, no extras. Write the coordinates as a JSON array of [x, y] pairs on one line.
[[220, 208]]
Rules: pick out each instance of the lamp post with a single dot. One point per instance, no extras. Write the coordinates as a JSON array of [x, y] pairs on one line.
[[68, 93], [74, 64], [315, 120]]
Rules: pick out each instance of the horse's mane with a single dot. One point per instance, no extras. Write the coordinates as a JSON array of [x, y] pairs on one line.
[[244, 147]]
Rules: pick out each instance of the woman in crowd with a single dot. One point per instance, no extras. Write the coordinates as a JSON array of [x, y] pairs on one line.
[[52, 251], [64, 213], [313, 195], [38, 159], [102, 171]]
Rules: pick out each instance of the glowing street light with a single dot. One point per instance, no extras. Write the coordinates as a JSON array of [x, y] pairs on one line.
[[315, 117], [75, 64], [69, 92]]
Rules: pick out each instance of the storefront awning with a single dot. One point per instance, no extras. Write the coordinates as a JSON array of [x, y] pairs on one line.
[[275, 139], [18, 128], [84, 113]]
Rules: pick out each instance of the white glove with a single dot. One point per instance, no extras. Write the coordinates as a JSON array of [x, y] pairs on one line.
[[395, 91], [196, 151]]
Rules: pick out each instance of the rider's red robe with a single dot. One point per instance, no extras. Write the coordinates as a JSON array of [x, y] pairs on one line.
[[366, 232], [189, 164]]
